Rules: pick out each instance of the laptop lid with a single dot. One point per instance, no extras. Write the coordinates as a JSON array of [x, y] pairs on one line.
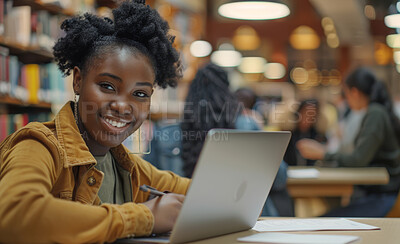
[[230, 184]]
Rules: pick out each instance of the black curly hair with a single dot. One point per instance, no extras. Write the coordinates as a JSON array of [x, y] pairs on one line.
[[209, 104], [135, 25]]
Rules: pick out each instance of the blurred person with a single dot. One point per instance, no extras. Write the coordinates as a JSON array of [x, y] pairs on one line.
[[278, 202], [209, 104], [307, 117], [376, 145], [249, 119], [349, 127], [341, 136], [166, 146]]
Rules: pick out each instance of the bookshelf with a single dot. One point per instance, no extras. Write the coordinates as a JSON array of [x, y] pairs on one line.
[[16, 106], [27, 54], [31, 86]]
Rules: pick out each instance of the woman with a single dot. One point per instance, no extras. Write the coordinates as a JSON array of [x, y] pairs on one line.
[[308, 118], [70, 180], [376, 144], [209, 104]]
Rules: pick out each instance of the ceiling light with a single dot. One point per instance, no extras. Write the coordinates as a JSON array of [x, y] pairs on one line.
[[333, 40], [304, 38], [254, 10], [383, 54], [226, 56], [200, 48], [369, 12], [246, 38], [396, 57], [392, 21], [299, 75], [274, 71], [326, 21], [393, 40], [252, 65]]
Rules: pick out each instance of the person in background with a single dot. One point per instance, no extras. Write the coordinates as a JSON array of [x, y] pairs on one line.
[[278, 202], [349, 127], [342, 134], [249, 119], [307, 119], [376, 145], [70, 180], [209, 104], [166, 147]]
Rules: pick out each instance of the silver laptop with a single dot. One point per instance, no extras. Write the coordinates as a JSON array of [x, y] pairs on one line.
[[231, 182]]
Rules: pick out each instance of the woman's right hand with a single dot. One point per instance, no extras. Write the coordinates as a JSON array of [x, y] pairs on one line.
[[311, 149], [165, 210]]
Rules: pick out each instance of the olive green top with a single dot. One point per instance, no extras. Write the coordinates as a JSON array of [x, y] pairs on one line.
[[111, 189]]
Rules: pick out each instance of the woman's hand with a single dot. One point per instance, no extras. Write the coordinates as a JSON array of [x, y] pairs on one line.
[[165, 210], [311, 149]]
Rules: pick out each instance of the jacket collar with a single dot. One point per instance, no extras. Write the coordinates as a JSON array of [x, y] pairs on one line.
[[77, 153]]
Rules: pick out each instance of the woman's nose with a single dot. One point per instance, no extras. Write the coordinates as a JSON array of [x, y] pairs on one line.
[[123, 108]]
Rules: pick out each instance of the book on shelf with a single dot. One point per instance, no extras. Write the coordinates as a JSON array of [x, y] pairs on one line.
[[29, 27], [31, 83], [18, 25], [22, 92], [4, 71], [2, 3], [9, 123], [45, 29], [15, 70]]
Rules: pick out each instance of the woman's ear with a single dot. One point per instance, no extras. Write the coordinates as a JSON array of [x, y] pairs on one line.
[[77, 82]]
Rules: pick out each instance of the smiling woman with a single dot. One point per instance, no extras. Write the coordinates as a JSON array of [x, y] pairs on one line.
[[114, 98], [46, 169]]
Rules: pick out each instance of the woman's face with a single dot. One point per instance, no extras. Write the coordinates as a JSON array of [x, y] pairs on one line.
[[352, 97], [308, 117], [114, 95]]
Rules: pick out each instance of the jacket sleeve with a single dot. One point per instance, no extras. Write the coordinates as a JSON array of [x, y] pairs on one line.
[[367, 144], [161, 179], [31, 214]]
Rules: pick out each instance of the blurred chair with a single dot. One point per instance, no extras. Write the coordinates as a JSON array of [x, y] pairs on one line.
[[395, 211]]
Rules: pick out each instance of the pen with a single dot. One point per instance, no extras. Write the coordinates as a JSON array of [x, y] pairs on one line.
[[151, 190]]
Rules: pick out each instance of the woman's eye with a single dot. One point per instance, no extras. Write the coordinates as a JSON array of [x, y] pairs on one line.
[[107, 86], [140, 94]]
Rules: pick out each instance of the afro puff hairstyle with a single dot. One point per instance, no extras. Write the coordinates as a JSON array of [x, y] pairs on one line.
[[135, 25]]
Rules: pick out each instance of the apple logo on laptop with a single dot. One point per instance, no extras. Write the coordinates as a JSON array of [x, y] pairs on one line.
[[240, 191]]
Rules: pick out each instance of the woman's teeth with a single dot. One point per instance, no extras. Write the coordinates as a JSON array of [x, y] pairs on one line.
[[115, 123]]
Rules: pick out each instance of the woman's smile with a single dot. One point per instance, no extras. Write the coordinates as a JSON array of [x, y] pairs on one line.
[[114, 125]]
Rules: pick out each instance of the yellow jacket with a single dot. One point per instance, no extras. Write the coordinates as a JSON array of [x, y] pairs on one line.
[[48, 188]]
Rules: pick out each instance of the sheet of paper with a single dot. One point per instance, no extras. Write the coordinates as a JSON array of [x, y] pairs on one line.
[[303, 173], [314, 224], [282, 238]]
